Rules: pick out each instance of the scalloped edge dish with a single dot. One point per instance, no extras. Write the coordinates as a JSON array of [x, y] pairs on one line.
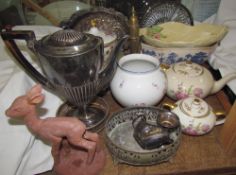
[[174, 34]]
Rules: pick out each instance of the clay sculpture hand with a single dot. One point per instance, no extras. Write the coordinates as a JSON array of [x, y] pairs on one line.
[[70, 161], [57, 129]]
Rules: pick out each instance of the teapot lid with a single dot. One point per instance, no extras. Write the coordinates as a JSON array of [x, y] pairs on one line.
[[66, 43], [194, 107], [188, 68]]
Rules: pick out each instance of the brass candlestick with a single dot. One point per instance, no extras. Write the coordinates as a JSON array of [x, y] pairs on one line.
[[134, 32]]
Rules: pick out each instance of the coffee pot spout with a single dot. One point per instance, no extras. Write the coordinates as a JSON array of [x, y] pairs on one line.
[[218, 85]]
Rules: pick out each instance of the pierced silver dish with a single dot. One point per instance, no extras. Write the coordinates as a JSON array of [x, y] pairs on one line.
[[122, 144], [165, 12]]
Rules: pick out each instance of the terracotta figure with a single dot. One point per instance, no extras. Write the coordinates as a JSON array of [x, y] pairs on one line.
[[71, 142]]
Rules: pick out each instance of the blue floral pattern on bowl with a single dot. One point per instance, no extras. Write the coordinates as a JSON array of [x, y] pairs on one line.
[[167, 56]]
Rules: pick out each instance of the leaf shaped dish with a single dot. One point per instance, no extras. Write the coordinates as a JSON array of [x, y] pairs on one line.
[[175, 34]]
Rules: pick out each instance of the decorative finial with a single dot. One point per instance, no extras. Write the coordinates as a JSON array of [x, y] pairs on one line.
[[93, 23]]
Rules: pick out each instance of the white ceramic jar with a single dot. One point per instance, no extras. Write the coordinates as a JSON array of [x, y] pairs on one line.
[[196, 116], [138, 81]]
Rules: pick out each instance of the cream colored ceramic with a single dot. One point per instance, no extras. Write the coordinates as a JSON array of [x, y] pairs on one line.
[[196, 116], [191, 79], [174, 34], [138, 81]]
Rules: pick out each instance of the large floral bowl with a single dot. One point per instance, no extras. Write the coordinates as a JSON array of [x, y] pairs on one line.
[[172, 55]]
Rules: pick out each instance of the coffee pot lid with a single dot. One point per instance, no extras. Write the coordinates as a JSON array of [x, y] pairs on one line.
[[67, 42], [194, 107]]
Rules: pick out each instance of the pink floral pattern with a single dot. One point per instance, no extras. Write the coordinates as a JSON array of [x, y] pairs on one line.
[[201, 129], [182, 93], [198, 92], [205, 128], [190, 130]]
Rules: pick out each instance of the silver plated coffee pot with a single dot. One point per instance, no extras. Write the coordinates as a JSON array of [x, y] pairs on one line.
[[71, 61]]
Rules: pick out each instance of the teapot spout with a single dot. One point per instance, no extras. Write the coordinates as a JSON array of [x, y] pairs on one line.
[[218, 85]]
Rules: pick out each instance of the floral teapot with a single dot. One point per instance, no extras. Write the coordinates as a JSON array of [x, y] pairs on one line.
[[187, 78], [196, 116]]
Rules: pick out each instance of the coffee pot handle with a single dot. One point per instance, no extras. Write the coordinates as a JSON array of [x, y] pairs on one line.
[[8, 37]]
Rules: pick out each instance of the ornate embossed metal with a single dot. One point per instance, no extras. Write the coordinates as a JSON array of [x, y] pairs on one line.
[[150, 136], [165, 12], [108, 20], [125, 149]]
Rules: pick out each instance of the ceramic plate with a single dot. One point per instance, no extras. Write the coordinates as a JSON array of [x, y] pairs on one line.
[[169, 11], [61, 10]]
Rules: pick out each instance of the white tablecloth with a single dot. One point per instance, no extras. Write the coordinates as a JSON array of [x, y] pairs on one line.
[[21, 153]]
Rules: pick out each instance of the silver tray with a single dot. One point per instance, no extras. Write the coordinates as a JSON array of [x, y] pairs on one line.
[[165, 12], [124, 148]]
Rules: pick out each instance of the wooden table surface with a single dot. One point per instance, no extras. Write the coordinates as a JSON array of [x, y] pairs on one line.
[[195, 155]]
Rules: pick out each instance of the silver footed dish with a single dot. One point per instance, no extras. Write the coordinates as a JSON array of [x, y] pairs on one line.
[[120, 140]]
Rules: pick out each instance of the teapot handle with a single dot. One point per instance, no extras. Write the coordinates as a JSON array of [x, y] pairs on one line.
[[220, 117], [169, 106], [8, 37]]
